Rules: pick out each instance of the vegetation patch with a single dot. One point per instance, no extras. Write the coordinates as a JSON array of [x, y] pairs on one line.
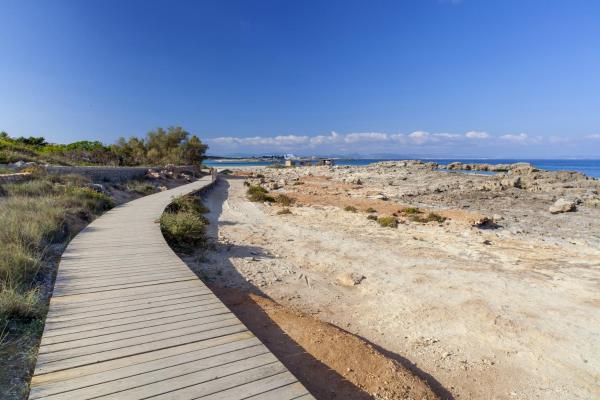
[[284, 200], [35, 215], [372, 217], [183, 225], [298, 183], [431, 217], [371, 210], [141, 187], [259, 194], [173, 145], [284, 211], [388, 222], [350, 209], [411, 211]]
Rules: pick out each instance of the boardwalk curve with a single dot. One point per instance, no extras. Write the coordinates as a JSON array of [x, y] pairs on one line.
[[129, 320]]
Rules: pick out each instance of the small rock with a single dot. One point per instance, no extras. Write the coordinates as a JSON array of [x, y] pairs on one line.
[[350, 279], [561, 206]]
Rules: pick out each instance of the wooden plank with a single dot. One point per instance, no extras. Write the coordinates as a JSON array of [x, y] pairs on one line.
[[287, 392], [147, 377], [98, 333], [137, 333], [138, 319], [201, 383], [111, 375], [118, 364], [254, 388], [44, 368], [129, 320]]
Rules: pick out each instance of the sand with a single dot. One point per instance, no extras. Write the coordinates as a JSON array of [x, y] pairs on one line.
[[506, 313]]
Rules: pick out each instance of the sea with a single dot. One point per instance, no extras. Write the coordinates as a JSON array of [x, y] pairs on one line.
[[585, 166]]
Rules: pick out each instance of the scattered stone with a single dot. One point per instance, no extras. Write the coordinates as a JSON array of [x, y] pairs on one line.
[[562, 206], [350, 279]]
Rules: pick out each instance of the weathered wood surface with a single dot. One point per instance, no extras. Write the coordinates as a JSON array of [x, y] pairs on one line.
[[129, 320]]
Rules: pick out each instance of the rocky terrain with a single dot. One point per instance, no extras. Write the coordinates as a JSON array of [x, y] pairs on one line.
[[487, 286]]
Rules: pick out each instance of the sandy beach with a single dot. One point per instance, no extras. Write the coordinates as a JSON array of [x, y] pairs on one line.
[[497, 299]]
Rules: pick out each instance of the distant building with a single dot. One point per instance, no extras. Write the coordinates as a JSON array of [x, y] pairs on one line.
[[290, 163], [326, 161]]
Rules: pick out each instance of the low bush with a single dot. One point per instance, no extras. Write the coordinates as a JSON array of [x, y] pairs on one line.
[[284, 200], [284, 211], [371, 210], [141, 187], [411, 211], [186, 204], [431, 217], [350, 209], [183, 230], [259, 194], [388, 222], [372, 217], [298, 183]]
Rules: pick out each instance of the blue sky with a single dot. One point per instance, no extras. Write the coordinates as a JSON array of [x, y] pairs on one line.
[[442, 78]]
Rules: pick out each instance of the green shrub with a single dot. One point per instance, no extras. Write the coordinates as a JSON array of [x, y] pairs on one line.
[[259, 194], [350, 209], [284, 200], [186, 204], [431, 217], [388, 222], [411, 211], [371, 210], [184, 230], [372, 217], [141, 187]]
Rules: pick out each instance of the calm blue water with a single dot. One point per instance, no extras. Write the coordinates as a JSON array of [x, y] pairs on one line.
[[588, 167]]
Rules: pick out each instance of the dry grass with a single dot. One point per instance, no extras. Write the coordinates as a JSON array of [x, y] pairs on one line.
[[350, 209], [34, 215]]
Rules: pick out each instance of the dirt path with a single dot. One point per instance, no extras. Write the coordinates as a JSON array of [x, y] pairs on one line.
[[516, 319]]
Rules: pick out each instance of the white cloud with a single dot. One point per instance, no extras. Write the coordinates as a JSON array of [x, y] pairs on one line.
[[593, 136], [419, 137], [366, 137], [354, 138], [448, 136], [477, 135], [521, 137], [325, 139], [282, 140]]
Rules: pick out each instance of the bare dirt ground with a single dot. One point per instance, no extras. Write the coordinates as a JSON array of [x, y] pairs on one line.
[[505, 313]]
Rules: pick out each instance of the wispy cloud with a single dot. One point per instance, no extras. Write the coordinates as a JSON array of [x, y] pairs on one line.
[[417, 138], [521, 137], [593, 136], [477, 135]]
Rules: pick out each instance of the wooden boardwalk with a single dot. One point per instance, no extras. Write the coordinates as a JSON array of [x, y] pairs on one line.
[[129, 320]]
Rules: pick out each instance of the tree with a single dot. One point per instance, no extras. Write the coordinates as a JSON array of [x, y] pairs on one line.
[[194, 150]]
